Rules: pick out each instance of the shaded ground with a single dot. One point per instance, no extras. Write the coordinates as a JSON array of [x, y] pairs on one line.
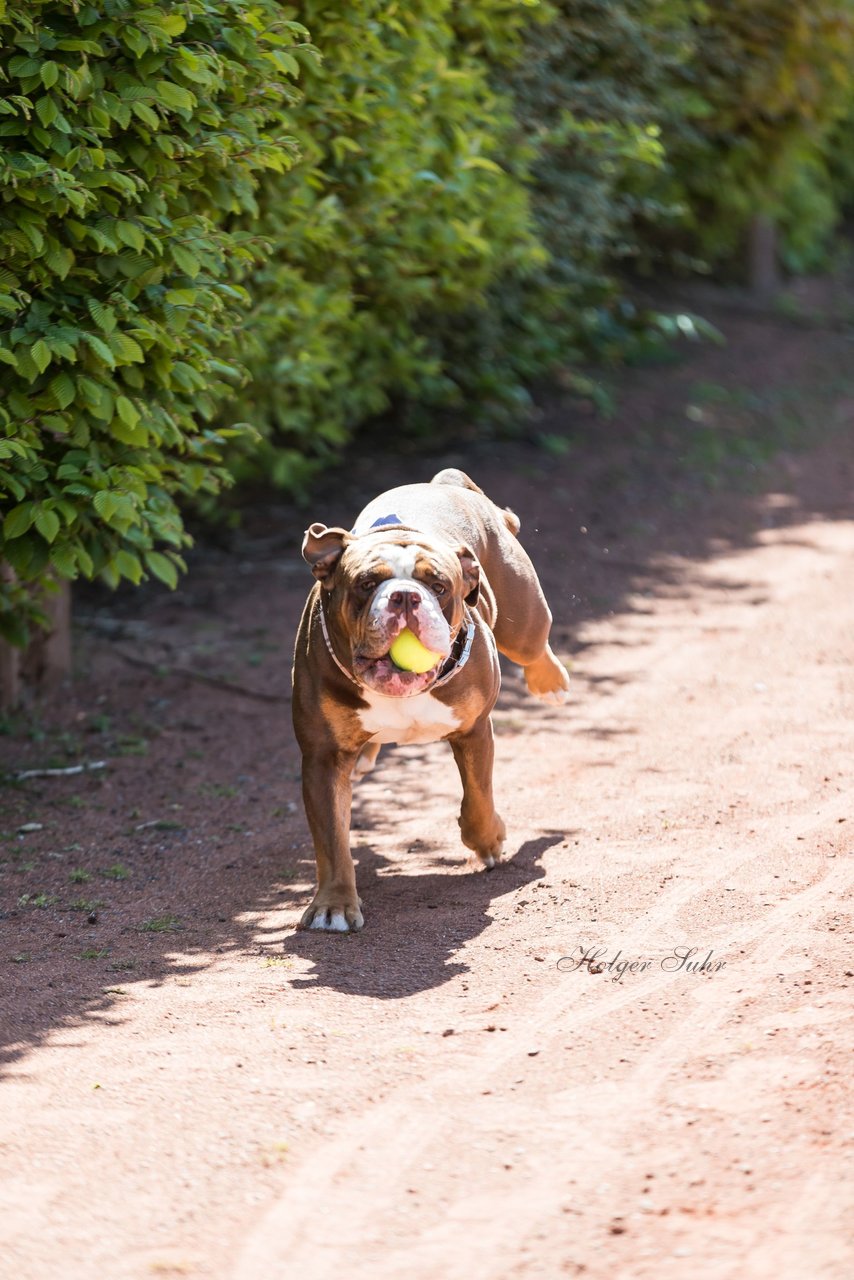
[[192, 1088]]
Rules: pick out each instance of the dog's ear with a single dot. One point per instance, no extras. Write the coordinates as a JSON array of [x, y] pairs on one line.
[[322, 548], [470, 566]]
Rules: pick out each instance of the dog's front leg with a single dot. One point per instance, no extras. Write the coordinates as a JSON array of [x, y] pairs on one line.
[[327, 793], [480, 826]]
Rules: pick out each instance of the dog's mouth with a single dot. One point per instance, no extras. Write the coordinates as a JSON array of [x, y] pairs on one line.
[[381, 674]]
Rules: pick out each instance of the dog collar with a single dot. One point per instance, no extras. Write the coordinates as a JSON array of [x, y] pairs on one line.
[[442, 678]]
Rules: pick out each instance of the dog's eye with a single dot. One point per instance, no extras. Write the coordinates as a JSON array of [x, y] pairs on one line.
[[439, 589], [367, 584]]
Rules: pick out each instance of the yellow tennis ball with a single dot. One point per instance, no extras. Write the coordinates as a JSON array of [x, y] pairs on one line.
[[409, 653]]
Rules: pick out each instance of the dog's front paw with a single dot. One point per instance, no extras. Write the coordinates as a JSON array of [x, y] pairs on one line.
[[333, 913], [486, 840], [490, 860]]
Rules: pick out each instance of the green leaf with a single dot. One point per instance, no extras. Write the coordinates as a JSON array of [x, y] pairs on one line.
[[60, 260], [89, 391], [103, 406], [85, 561], [56, 422], [187, 261], [63, 559], [105, 504], [19, 520], [127, 411], [126, 512], [47, 110], [27, 366], [20, 553], [62, 389], [104, 316], [101, 350], [162, 567], [49, 74], [289, 62], [47, 523], [182, 297], [67, 510], [144, 112], [130, 235], [482, 162], [342, 144], [128, 565], [24, 67], [40, 353], [173, 95], [137, 435], [173, 24], [127, 349]]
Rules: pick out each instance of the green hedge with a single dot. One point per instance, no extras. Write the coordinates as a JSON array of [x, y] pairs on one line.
[[598, 103], [133, 136], [410, 202], [772, 79], [149, 199], [303, 215]]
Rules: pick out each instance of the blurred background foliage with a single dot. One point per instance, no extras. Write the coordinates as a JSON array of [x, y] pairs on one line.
[[772, 82], [231, 234]]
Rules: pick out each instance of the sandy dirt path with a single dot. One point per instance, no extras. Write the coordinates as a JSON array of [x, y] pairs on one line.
[[512, 1074], [653, 1123]]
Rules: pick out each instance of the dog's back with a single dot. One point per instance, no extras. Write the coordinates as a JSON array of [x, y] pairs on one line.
[[453, 476], [450, 507]]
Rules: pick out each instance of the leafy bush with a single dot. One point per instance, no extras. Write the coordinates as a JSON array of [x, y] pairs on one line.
[[473, 176], [598, 95], [410, 203], [133, 137], [597, 99], [773, 77]]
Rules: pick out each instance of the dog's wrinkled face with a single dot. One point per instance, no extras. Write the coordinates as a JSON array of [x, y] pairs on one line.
[[377, 584]]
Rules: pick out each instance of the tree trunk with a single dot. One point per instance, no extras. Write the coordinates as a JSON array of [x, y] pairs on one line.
[[762, 257], [46, 660], [10, 676]]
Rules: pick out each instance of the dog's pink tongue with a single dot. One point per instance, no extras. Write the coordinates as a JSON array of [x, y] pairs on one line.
[[386, 678]]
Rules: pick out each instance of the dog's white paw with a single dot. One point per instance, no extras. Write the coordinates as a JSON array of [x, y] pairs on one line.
[[555, 698], [548, 679], [488, 861], [347, 919], [333, 921]]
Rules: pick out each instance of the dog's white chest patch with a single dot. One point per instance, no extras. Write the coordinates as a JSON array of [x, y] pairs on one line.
[[422, 718]]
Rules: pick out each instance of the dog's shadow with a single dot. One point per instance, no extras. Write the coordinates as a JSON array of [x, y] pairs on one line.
[[415, 925]]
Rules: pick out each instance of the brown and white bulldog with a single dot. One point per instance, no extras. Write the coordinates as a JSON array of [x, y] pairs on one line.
[[444, 561]]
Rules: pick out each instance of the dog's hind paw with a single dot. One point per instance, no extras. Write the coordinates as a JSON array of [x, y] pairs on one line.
[[548, 679], [556, 698]]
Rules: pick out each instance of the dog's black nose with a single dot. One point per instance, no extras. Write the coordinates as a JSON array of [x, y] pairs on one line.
[[400, 600]]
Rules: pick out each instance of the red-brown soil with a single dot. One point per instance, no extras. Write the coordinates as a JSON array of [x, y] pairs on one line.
[[192, 1088]]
